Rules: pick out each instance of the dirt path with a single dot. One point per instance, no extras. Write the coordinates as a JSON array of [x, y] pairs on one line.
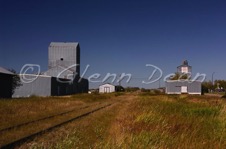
[[117, 131]]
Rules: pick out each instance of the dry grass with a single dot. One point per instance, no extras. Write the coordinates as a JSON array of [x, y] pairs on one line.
[[83, 133], [171, 122], [23, 110], [143, 121], [16, 111]]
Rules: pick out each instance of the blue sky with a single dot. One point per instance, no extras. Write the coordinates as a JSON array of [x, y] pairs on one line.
[[118, 36]]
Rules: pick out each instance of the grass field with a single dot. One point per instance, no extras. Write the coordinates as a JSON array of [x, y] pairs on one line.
[[134, 121], [16, 111]]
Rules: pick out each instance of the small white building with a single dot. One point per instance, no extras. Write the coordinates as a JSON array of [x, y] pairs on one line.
[[106, 88]]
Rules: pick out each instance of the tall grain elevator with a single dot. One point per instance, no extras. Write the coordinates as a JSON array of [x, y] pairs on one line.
[[62, 76]]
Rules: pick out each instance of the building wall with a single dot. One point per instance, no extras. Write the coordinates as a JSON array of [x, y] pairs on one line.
[[174, 87], [66, 88], [107, 88], [64, 54], [50, 86], [83, 86], [189, 68], [41, 86], [6, 85], [60, 72], [61, 88]]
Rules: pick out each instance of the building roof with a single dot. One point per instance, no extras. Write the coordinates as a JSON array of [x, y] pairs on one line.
[[35, 75], [107, 84], [184, 64], [5, 71], [182, 81], [74, 44]]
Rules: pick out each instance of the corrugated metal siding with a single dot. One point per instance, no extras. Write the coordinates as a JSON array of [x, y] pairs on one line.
[[60, 88], [174, 87], [60, 72], [6, 85], [41, 86], [50, 86], [83, 86], [195, 87], [70, 52]]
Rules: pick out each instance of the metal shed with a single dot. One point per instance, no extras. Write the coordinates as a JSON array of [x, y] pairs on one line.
[[6, 79], [106, 88]]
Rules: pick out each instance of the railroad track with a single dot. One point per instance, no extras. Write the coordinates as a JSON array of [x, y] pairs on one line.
[[40, 119], [19, 141]]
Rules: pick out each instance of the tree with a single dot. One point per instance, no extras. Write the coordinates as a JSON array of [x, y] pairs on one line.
[[220, 84], [15, 80], [132, 89], [180, 76], [207, 86]]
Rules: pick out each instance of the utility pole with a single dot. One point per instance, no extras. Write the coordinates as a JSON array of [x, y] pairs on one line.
[[119, 80], [212, 78], [212, 81], [159, 83]]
